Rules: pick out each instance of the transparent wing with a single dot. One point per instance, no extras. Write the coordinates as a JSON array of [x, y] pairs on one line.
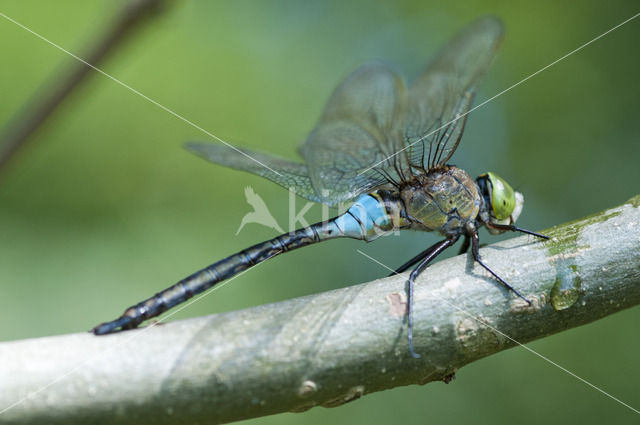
[[445, 90], [370, 117], [286, 173], [361, 125]]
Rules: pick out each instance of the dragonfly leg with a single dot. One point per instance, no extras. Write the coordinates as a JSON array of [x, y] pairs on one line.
[[513, 228], [428, 256], [475, 244], [465, 245], [414, 260]]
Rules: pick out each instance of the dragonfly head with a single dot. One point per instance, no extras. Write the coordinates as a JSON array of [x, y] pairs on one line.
[[503, 205]]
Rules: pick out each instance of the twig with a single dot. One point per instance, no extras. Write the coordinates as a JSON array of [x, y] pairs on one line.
[[330, 348], [44, 102]]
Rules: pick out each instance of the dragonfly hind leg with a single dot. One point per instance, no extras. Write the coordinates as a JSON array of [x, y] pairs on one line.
[[426, 257], [406, 266], [465, 245]]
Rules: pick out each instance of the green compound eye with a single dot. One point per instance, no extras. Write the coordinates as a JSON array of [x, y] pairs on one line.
[[503, 198]]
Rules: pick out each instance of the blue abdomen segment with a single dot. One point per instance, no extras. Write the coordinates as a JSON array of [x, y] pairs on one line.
[[367, 219]]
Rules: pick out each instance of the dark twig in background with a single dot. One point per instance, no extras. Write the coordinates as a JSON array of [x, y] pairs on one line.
[[44, 102]]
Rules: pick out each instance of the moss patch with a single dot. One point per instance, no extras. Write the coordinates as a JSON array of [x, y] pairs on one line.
[[634, 202], [563, 238]]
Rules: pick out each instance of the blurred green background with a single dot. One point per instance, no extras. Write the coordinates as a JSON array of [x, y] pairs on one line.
[[103, 207]]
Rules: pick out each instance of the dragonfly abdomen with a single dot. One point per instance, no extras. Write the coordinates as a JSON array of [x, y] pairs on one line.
[[366, 220]]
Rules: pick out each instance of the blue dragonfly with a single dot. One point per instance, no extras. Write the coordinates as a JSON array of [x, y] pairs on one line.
[[385, 146]]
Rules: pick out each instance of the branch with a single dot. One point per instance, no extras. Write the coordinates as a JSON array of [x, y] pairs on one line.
[[44, 102], [330, 348]]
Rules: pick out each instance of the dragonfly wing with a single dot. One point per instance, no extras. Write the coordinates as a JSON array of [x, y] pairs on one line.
[[372, 130], [291, 175], [361, 126], [442, 95]]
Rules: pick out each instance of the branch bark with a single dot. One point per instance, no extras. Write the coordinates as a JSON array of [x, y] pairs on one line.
[[329, 348]]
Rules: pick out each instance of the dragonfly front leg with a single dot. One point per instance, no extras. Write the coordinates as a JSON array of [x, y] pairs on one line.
[[513, 228], [475, 244], [429, 255]]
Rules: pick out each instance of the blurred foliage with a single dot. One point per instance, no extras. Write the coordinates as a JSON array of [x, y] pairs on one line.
[[104, 208]]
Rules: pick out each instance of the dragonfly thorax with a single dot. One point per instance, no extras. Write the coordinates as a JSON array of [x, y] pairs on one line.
[[445, 199]]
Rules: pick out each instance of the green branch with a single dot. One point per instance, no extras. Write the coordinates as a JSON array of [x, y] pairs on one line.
[[330, 348]]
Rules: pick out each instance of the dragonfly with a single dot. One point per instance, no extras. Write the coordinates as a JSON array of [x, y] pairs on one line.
[[385, 146]]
